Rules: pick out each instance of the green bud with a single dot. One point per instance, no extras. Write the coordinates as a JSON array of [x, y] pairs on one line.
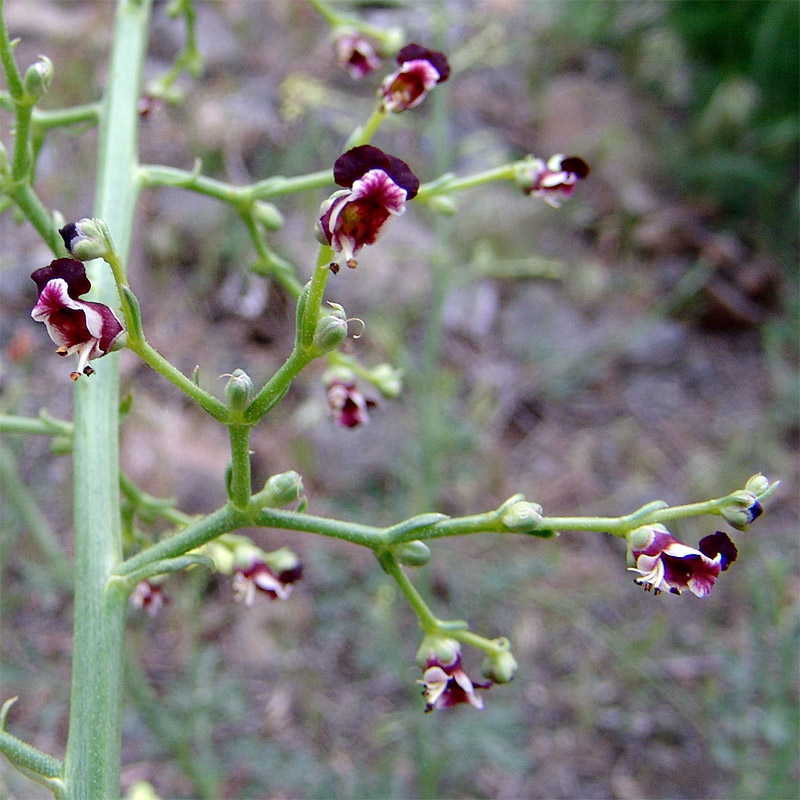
[[523, 517], [86, 239], [444, 205], [387, 380], [268, 215], [239, 390], [412, 554], [438, 649], [221, 555], [280, 490], [740, 509], [282, 561], [499, 667], [331, 329], [37, 78], [757, 484]]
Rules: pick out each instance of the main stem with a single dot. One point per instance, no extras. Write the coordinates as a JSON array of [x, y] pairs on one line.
[[92, 763]]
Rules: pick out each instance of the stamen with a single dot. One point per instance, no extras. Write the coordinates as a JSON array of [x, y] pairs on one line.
[[62, 351], [74, 376]]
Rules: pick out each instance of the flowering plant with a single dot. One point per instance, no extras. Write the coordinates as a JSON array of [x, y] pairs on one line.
[[113, 572]]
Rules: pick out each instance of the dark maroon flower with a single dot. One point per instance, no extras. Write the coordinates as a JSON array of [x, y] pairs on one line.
[[77, 326], [259, 576], [356, 54], [554, 180], [665, 563], [347, 405], [420, 70], [446, 684], [378, 186]]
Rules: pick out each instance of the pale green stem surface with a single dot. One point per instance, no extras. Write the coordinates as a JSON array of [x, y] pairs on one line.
[[92, 763]]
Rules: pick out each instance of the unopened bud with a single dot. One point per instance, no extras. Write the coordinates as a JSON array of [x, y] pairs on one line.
[[284, 564], [440, 650], [268, 215], [445, 205], [221, 555], [757, 484], [387, 380], [331, 329], [239, 390], [500, 667], [523, 517], [412, 554], [740, 509], [37, 77], [86, 239], [280, 490]]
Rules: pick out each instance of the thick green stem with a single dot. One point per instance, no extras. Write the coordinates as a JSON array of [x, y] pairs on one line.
[[240, 487], [92, 763]]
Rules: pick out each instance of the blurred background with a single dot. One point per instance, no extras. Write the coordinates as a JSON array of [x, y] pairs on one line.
[[639, 343]]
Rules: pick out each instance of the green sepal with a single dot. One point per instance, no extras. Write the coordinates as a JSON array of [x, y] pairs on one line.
[[412, 524], [165, 566], [31, 762], [135, 311], [302, 302]]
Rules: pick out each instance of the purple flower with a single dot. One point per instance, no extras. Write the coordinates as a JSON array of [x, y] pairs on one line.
[[446, 684], [420, 70], [77, 326], [377, 187], [258, 576], [554, 180], [355, 53], [148, 596], [347, 405], [663, 562]]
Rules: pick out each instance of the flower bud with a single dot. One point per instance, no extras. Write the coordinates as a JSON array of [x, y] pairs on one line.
[[445, 205], [499, 667], [268, 215], [387, 380], [86, 239], [285, 564], [239, 390], [221, 555], [740, 509], [757, 484], [413, 554], [523, 517], [280, 490], [437, 649], [331, 329], [37, 77]]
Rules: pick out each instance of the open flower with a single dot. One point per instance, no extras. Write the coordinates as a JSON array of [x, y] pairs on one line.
[[553, 180], [356, 54], [347, 405], [77, 326], [259, 576], [377, 187], [148, 596], [662, 562], [420, 70], [444, 682]]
